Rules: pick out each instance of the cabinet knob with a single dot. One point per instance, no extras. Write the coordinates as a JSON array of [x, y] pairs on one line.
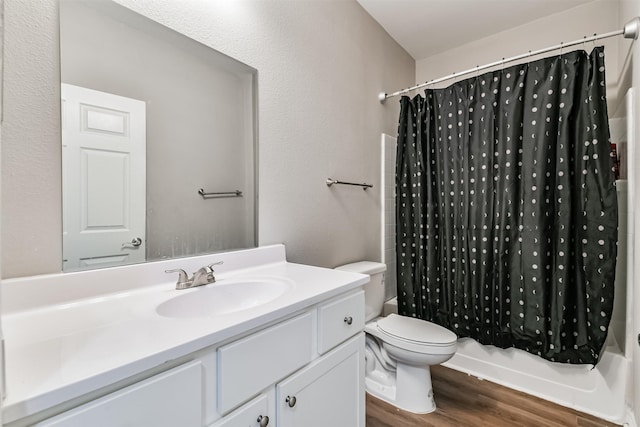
[[348, 320], [291, 400], [263, 420]]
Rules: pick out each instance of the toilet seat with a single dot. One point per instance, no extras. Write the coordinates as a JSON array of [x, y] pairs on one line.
[[413, 334]]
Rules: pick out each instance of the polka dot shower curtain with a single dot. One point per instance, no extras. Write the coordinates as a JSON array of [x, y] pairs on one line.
[[507, 210]]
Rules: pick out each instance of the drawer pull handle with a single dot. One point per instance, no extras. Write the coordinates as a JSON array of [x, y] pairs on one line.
[[263, 420], [291, 401], [348, 320]]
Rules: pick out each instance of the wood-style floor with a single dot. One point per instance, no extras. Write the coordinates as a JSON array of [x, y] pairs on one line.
[[466, 401]]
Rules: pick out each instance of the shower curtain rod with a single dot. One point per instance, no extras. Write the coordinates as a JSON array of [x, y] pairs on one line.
[[630, 31]]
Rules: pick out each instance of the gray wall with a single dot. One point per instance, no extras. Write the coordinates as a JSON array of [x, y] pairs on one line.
[[321, 65]]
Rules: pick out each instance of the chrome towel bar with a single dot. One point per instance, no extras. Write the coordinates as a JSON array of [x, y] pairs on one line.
[[331, 181], [218, 195]]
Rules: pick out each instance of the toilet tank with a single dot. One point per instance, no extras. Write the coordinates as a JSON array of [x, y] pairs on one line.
[[374, 290]]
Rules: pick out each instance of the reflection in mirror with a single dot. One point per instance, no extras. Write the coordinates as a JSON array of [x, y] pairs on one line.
[[150, 118]]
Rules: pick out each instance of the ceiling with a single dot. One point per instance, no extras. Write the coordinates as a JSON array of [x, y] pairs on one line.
[[427, 27]]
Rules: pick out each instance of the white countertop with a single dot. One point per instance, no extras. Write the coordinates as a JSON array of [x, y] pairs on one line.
[[60, 351]]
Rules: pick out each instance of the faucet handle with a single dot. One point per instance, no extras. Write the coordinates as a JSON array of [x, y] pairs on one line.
[[183, 279], [210, 266], [207, 273]]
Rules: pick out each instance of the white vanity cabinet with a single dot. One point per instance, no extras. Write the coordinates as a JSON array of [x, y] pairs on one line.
[[308, 370], [297, 360]]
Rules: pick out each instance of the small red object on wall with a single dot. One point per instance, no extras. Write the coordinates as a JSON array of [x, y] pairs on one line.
[[616, 161]]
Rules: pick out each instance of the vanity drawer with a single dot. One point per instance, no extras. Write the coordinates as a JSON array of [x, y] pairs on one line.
[[339, 320], [247, 366], [172, 398]]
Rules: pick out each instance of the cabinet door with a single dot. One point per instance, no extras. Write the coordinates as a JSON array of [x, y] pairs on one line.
[[328, 392], [172, 398], [256, 413]]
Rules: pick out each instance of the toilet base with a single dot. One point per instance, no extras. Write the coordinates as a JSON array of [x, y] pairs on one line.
[[415, 393]]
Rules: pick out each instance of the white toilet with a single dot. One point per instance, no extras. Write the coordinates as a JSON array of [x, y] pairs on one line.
[[399, 350]]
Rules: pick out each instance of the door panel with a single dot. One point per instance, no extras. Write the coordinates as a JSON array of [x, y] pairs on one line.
[[104, 178]]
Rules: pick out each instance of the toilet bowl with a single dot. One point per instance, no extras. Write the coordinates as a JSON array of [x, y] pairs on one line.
[[399, 350], [413, 345]]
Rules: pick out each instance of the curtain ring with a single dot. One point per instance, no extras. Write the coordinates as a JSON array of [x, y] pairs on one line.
[[426, 87], [433, 88], [584, 43], [561, 46]]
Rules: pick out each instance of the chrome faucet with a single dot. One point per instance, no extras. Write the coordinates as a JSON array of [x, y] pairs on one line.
[[203, 276]]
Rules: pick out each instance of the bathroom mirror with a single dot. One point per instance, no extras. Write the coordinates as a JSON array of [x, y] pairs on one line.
[[159, 141]]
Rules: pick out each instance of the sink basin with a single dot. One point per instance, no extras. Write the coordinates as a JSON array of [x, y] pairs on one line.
[[223, 297]]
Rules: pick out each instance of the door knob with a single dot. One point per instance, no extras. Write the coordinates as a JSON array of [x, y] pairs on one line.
[[135, 242], [263, 421], [348, 320]]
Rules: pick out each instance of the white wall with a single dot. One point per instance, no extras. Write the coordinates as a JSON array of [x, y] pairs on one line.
[[628, 10], [600, 16], [2, 366], [320, 64], [619, 320], [388, 165]]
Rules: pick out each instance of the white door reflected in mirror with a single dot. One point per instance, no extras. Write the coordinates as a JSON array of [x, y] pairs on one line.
[[104, 174]]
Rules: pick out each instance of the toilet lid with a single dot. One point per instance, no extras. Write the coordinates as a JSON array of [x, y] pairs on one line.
[[417, 330]]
